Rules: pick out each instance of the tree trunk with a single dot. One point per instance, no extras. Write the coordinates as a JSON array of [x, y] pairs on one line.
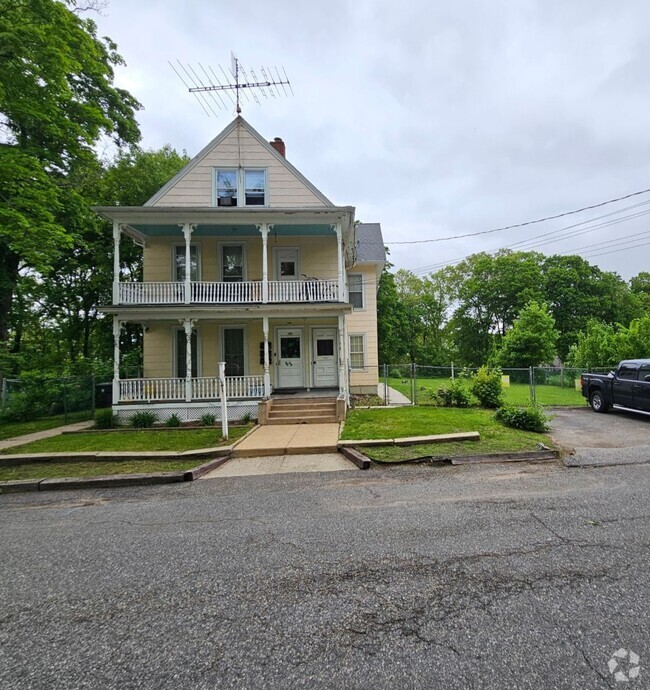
[[8, 279]]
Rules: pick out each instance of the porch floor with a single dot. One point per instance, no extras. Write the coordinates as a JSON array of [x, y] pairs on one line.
[[304, 393], [289, 439]]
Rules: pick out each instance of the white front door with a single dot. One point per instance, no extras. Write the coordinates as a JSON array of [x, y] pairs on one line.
[[325, 359], [290, 361]]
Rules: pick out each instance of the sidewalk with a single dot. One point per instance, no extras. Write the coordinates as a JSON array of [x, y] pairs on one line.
[[282, 464], [288, 439], [38, 435], [394, 397]]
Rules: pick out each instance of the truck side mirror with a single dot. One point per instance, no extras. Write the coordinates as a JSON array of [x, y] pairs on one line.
[[647, 378]]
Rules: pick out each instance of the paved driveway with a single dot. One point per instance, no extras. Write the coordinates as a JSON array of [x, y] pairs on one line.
[[584, 428]]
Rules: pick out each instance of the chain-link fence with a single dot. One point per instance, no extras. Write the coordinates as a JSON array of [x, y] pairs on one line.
[[415, 384], [35, 397]]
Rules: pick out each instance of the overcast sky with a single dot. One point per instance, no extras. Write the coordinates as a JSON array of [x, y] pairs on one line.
[[433, 118]]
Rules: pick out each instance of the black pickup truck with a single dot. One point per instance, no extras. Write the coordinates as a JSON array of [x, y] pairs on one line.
[[628, 386]]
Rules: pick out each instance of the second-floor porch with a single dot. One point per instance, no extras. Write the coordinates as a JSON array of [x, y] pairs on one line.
[[226, 257]]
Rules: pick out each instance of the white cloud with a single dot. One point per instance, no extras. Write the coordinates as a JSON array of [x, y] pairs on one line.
[[432, 118]]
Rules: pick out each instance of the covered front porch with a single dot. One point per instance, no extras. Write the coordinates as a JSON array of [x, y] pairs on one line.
[[263, 356]]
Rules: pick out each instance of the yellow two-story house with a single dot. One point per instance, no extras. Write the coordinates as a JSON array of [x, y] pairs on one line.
[[248, 264]]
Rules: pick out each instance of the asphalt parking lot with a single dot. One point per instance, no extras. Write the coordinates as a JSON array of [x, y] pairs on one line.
[[494, 576]]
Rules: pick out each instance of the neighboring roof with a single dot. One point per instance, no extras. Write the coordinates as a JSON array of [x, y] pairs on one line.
[[239, 120], [370, 244]]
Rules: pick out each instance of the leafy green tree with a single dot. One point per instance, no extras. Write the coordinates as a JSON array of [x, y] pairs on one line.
[[602, 345], [640, 286], [578, 292], [532, 340], [391, 321], [57, 99]]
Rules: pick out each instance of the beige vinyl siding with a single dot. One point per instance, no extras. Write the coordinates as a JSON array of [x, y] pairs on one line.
[[284, 189], [158, 351], [365, 321], [317, 256]]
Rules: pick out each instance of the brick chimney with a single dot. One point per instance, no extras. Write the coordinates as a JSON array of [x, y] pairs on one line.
[[279, 146]]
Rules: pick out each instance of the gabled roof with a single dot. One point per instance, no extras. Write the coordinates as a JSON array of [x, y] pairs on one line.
[[370, 244], [238, 121]]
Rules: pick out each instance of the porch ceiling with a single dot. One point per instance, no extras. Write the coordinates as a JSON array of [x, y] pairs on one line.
[[232, 230]]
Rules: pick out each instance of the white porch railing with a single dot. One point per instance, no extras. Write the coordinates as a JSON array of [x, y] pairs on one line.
[[303, 291], [151, 293], [203, 388], [227, 293], [248, 292]]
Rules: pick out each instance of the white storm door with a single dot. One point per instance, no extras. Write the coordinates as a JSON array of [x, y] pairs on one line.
[[325, 358], [290, 358]]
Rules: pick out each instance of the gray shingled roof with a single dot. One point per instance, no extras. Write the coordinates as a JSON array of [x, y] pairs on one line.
[[370, 243]]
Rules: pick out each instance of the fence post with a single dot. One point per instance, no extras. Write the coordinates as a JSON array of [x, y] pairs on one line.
[[65, 403], [224, 402], [452, 371], [531, 378], [5, 393], [415, 384]]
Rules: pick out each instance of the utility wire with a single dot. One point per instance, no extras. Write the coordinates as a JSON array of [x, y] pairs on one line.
[[521, 225], [544, 239]]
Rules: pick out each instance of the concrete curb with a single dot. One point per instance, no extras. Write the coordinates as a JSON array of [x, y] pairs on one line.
[[413, 440], [113, 456], [113, 480]]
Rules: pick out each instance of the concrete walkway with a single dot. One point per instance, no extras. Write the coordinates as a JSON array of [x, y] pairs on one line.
[[282, 464], [394, 397], [38, 435], [288, 439]]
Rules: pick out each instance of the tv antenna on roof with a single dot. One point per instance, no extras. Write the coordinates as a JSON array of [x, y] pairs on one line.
[[207, 87]]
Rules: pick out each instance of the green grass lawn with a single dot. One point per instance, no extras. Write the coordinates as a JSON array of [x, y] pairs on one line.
[[422, 421], [516, 393], [52, 470], [12, 429], [132, 440]]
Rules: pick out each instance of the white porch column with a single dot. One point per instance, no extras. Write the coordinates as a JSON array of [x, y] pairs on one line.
[[342, 357], [339, 258], [187, 233], [117, 233], [264, 230], [187, 325], [267, 358], [117, 328]]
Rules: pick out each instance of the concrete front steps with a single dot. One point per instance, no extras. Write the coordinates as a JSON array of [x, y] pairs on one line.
[[302, 411]]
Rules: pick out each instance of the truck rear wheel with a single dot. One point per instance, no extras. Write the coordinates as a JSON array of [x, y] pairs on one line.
[[597, 402]]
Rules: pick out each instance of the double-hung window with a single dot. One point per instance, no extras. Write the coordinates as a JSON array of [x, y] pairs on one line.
[[232, 263], [181, 354], [179, 262], [355, 290], [357, 352], [240, 187]]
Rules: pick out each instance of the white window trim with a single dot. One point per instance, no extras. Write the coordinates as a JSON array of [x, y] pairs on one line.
[[241, 185], [363, 291], [220, 246], [228, 327], [199, 352], [198, 259], [364, 352]]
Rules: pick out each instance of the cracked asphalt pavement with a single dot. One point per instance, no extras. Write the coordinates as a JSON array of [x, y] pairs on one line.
[[492, 576]]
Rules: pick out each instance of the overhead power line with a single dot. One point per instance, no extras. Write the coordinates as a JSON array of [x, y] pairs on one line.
[[524, 224]]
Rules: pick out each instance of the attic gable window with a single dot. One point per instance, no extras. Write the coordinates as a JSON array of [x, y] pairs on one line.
[[240, 187]]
